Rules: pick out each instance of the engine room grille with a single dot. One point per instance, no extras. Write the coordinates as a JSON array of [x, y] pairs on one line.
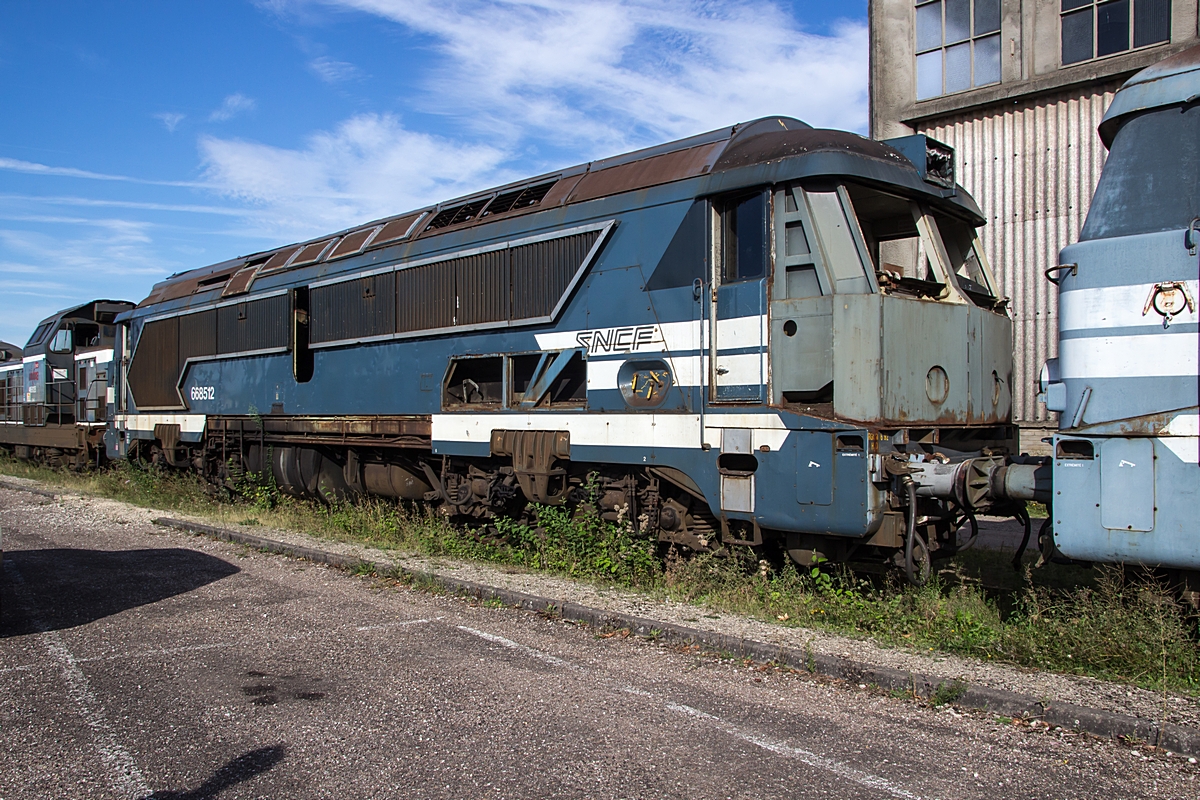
[[519, 283], [165, 345]]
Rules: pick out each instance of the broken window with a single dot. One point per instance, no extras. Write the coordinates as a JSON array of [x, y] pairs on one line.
[[548, 380], [474, 381]]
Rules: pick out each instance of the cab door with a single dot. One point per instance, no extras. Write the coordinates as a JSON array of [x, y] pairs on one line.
[[738, 318]]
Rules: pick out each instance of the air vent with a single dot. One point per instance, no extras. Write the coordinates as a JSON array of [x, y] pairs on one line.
[[279, 259], [211, 282], [311, 253], [352, 243], [456, 215], [519, 198]]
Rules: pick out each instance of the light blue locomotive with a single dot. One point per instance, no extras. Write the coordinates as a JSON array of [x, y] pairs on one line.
[[766, 331], [1126, 478]]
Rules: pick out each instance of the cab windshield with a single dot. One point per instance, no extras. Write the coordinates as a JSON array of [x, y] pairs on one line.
[[915, 246], [1149, 180]]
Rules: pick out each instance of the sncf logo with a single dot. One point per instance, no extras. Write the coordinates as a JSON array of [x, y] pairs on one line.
[[619, 340]]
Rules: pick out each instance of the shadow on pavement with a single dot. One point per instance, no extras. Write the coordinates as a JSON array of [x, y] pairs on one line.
[[240, 769], [70, 587]]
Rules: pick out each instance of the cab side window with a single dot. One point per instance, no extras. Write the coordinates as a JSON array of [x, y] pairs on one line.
[[63, 341], [743, 232]]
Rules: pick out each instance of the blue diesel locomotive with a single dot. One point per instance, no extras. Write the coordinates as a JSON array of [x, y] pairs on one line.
[[1126, 472], [764, 332]]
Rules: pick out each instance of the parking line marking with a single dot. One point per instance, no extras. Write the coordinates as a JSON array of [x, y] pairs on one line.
[[127, 779], [776, 746], [806, 756], [510, 644]]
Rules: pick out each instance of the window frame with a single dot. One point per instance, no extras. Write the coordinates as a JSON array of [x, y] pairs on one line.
[[972, 40], [1093, 7]]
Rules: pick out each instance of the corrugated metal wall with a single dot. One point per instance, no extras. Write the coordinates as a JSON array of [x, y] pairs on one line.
[[1032, 167]]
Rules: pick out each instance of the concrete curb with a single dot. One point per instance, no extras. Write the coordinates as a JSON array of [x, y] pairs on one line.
[[1176, 738], [16, 487]]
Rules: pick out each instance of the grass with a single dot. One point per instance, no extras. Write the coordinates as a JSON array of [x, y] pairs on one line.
[[1101, 622]]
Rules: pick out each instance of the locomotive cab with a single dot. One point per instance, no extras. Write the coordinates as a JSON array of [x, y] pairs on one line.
[[56, 397], [1126, 478]]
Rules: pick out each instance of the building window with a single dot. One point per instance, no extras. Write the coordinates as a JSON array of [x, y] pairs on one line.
[[958, 45], [1098, 28]]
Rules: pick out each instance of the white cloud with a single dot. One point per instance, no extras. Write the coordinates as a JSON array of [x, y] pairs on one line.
[[370, 166], [33, 168], [589, 78], [44, 271], [333, 71], [170, 119], [630, 72], [233, 105]]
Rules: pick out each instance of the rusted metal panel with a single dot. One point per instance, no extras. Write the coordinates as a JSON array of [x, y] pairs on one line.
[[279, 259], [1032, 166], [671, 166], [396, 229], [425, 297], [311, 253], [352, 243], [254, 325], [542, 271], [155, 367], [240, 282], [197, 335], [483, 288], [353, 309], [192, 282], [393, 431]]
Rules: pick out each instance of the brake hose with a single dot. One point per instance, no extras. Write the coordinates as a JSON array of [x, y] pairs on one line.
[[911, 489]]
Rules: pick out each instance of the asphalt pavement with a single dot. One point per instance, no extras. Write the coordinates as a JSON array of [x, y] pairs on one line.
[[143, 662]]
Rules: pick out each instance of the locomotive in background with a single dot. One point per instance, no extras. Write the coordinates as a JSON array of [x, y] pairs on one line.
[[56, 393], [763, 332]]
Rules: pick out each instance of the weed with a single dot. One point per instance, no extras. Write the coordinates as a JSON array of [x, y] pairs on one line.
[[1098, 622], [947, 693]]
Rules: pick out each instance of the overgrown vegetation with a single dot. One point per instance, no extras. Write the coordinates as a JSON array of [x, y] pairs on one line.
[[1099, 622]]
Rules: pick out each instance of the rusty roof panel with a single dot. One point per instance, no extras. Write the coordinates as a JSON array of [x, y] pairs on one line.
[[352, 243], [279, 259], [653, 171], [311, 253], [396, 229], [240, 282], [774, 145], [561, 191]]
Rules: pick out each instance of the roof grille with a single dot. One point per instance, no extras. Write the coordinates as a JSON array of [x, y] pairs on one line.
[[519, 198], [456, 215]]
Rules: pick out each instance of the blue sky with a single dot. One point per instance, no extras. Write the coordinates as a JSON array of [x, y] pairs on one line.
[[139, 139]]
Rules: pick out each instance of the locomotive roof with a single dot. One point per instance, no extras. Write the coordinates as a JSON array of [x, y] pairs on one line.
[[10, 352], [746, 145], [104, 311], [1171, 81]]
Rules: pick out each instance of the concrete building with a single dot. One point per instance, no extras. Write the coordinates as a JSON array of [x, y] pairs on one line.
[[1017, 87]]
